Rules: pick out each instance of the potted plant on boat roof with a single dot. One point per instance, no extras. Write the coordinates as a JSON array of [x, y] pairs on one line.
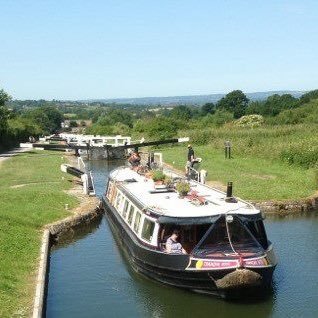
[[183, 188], [158, 177], [169, 182]]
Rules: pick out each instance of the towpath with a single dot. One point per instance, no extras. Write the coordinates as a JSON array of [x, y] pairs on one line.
[[11, 153]]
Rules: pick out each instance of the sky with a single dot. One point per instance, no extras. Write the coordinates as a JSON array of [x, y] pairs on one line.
[[94, 49]]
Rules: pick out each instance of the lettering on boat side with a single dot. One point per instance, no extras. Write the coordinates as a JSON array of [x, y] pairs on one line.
[[200, 264], [215, 264], [256, 262]]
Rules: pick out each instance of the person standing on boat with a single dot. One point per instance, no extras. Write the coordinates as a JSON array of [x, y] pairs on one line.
[[190, 159], [134, 158], [172, 244]]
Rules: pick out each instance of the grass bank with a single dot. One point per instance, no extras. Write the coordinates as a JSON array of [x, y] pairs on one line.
[[31, 195], [256, 176], [294, 144]]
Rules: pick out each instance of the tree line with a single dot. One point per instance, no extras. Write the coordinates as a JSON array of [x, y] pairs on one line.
[[21, 119], [165, 122], [18, 125]]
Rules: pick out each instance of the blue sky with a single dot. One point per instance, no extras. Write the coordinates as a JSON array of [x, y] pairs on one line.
[[134, 48]]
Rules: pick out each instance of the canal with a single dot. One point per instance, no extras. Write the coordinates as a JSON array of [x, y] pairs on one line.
[[89, 277]]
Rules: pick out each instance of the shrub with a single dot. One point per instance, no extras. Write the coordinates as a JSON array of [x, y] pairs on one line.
[[158, 175], [183, 188], [250, 121], [219, 118], [303, 156], [73, 123], [168, 182]]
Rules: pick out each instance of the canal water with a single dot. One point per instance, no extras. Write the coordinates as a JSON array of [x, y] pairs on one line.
[[89, 276]]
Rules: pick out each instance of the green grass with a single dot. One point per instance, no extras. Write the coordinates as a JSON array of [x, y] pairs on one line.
[[31, 195], [256, 176], [269, 141]]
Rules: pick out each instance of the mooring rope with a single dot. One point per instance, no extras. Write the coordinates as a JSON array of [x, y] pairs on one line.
[[231, 244]]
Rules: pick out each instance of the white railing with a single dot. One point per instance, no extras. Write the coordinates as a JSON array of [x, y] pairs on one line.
[[96, 140]]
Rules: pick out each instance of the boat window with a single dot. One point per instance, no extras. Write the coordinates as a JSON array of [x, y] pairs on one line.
[[218, 243], [147, 229], [118, 201], [131, 214], [137, 221], [113, 195], [110, 190], [258, 231], [125, 209], [190, 235]]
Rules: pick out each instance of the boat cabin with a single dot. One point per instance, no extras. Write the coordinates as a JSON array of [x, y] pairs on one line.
[[215, 229]]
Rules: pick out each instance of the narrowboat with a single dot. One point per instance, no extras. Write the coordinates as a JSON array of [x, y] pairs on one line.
[[226, 251]]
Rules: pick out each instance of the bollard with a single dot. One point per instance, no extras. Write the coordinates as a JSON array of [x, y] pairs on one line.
[[227, 149]]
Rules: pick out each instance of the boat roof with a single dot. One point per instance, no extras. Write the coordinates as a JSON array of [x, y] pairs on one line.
[[170, 204]]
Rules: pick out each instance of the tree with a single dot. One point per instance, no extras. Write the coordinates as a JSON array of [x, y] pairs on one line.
[[276, 103], [181, 112], [161, 128], [208, 108], [235, 102], [255, 107], [273, 105], [307, 97], [47, 117], [4, 97], [4, 113], [114, 116], [55, 117], [158, 128]]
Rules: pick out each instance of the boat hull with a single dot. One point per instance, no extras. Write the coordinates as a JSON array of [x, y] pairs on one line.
[[171, 269]]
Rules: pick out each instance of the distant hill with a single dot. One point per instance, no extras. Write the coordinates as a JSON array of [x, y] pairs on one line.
[[187, 100]]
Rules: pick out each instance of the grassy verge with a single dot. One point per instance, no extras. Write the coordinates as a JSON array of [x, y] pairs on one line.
[[255, 177], [31, 195]]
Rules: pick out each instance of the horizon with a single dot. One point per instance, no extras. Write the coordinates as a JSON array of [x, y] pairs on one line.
[[170, 96], [117, 49]]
